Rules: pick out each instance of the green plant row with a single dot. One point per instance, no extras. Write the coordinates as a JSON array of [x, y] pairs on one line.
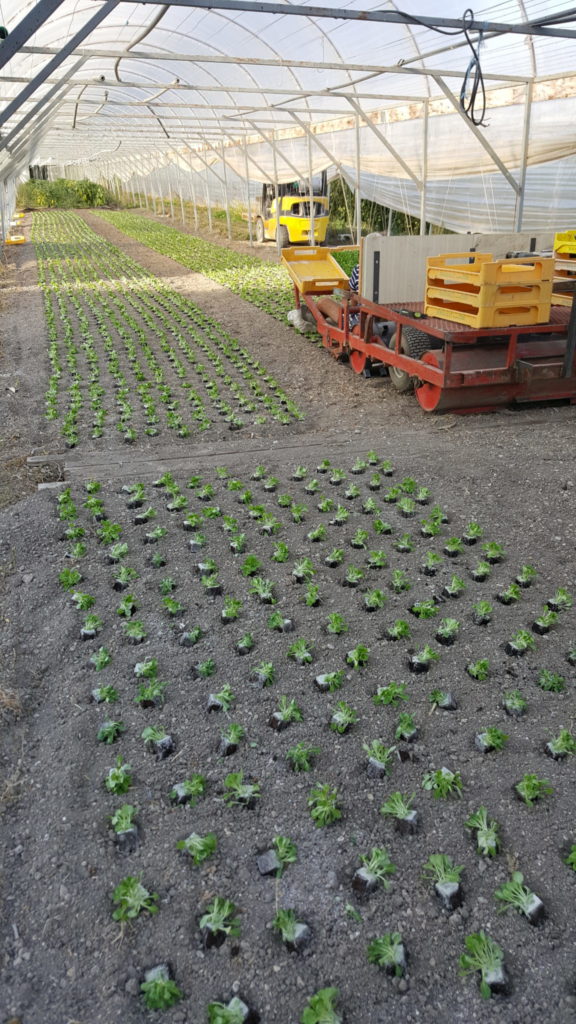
[[107, 318], [265, 285]]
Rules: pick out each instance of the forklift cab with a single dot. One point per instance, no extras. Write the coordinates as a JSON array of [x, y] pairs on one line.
[[296, 209]]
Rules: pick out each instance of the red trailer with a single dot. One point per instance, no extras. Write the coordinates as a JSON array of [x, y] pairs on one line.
[[450, 366]]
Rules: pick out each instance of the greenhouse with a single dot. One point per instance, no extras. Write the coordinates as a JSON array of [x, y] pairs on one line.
[[287, 491]]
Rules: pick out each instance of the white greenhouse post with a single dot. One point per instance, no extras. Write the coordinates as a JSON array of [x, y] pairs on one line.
[[180, 196], [193, 197], [389, 221], [358, 199], [525, 150], [208, 203], [160, 198], [310, 176], [170, 199], [226, 202], [424, 170], [276, 191], [248, 192]]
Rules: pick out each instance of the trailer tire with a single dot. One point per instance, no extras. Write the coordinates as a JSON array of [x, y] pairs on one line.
[[283, 236], [414, 344], [260, 232]]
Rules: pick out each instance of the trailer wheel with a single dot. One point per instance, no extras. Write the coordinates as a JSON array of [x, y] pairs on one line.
[[260, 233], [414, 344], [282, 234]]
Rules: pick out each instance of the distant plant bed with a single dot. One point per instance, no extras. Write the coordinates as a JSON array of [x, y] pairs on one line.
[[265, 285], [63, 194], [129, 354]]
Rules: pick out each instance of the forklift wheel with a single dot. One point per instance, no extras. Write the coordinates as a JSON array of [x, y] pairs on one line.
[[414, 344], [260, 234]]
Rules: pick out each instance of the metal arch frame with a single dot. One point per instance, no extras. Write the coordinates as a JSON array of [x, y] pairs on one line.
[[395, 17], [51, 66], [64, 82], [26, 28]]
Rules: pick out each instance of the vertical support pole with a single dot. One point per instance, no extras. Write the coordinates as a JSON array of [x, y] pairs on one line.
[[358, 198], [144, 184], [424, 175], [310, 177], [276, 195], [170, 200], [525, 148], [248, 206], [2, 213], [160, 197], [226, 203], [208, 205], [182, 211], [389, 232], [193, 197]]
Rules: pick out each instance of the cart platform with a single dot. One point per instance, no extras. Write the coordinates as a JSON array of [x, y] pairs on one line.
[[314, 270]]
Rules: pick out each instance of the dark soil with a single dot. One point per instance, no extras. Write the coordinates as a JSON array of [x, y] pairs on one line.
[[63, 957]]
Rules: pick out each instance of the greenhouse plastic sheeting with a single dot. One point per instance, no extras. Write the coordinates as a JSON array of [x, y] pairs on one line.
[[227, 95]]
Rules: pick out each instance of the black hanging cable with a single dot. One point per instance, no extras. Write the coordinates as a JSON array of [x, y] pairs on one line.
[[473, 91]]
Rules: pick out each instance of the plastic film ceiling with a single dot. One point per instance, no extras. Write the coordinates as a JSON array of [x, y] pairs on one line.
[[203, 99]]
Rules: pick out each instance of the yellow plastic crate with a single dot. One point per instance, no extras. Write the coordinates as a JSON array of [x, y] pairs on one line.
[[455, 268], [490, 294], [489, 316], [558, 299], [564, 268], [314, 270], [565, 243], [15, 240]]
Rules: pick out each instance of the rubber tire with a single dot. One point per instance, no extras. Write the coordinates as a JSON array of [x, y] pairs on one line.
[[282, 234], [260, 232], [414, 344]]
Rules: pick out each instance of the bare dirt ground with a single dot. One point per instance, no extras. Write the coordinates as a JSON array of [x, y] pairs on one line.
[[62, 958]]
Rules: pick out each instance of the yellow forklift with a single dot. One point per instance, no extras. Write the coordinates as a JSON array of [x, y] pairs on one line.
[[296, 213]]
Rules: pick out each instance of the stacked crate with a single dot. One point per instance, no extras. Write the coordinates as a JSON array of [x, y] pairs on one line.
[[564, 267], [477, 290]]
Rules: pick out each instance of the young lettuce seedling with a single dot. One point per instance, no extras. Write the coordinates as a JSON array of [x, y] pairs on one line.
[[239, 793], [288, 712], [484, 955], [390, 695], [263, 589], [357, 658], [514, 703], [443, 783], [300, 651], [481, 571], [353, 577], [398, 630], [317, 534], [321, 1008], [134, 631], [406, 729], [526, 576], [447, 631], [379, 758], [119, 778], [472, 533], [377, 559], [328, 682], [400, 808], [443, 700], [245, 644], [158, 741], [203, 669], [440, 869], [561, 745], [101, 658], [323, 804], [521, 642], [110, 731], [336, 624], [281, 552], [421, 661], [343, 718], [532, 788], [300, 757], [105, 695], [231, 610], [131, 898], [431, 563], [551, 682], [453, 547], [374, 600], [188, 791], [159, 991], [295, 934], [543, 624], [515, 894], [388, 951], [490, 739], [561, 601], [454, 588], [510, 594], [381, 527], [198, 847], [376, 867], [482, 613], [479, 669], [399, 581], [219, 921], [487, 839], [221, 701]]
